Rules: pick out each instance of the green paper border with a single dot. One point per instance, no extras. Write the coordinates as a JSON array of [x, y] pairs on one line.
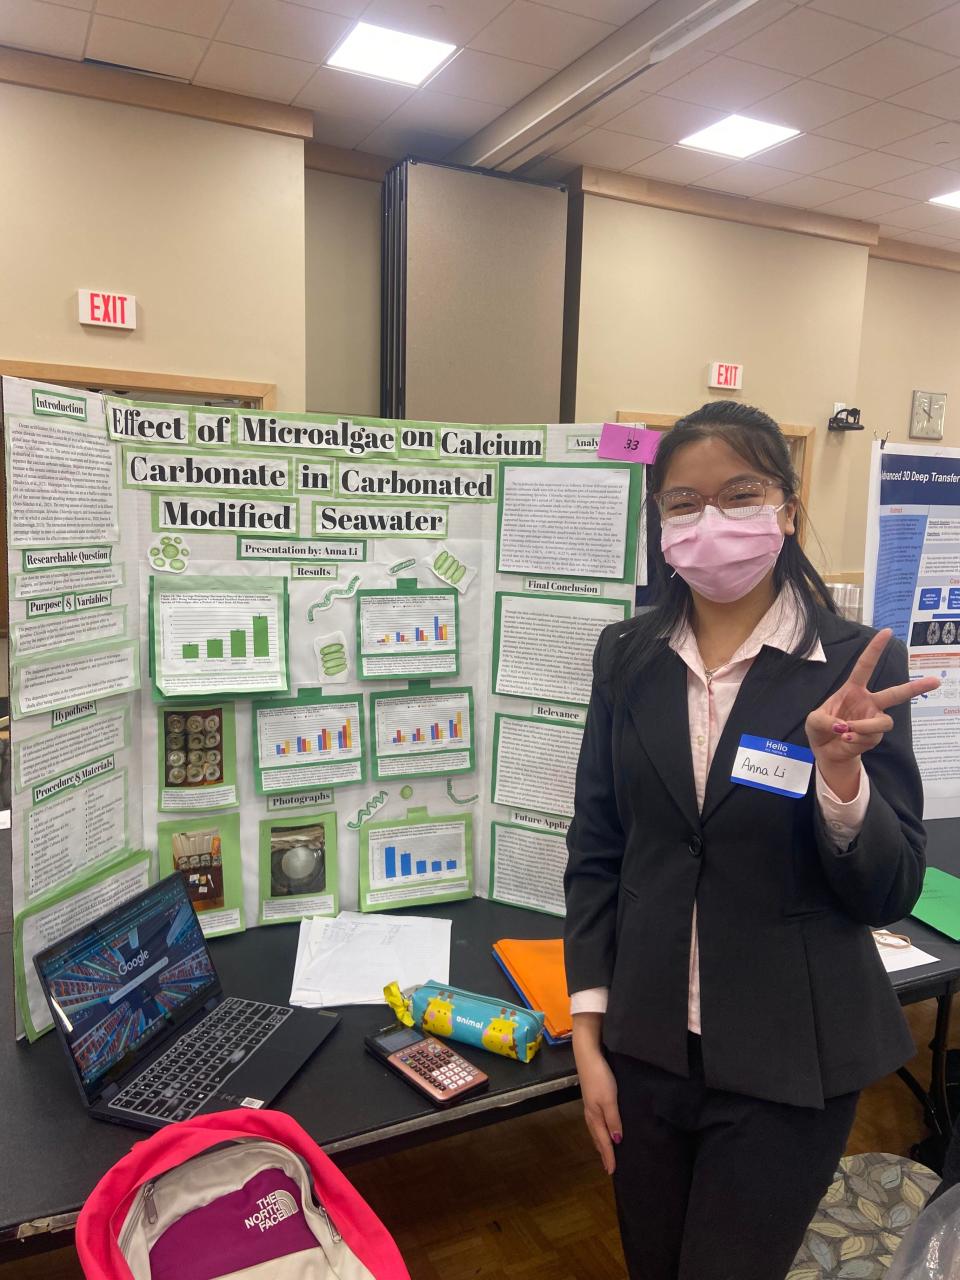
[[38, 905], [549, 835], [234, 583], [67, 568], [66, 650], [19, 744], [91, 651], [115, 772], [306, 698], [408, 591], [385, 535], [406, 695], [297, 461], [495, 653], [156, 527], [279, 557], [148, 410], [228, 825], [413, 465], [283, 461], [317, 420], [53, 413], [495, 760], [415, 818], [488, 428], [331, 858], [634, 498], [228, 745]]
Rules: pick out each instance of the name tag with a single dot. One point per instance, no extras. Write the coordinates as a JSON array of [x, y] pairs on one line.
[[774, 766]]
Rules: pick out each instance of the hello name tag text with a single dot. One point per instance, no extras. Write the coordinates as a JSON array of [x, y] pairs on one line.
[[769, 765]]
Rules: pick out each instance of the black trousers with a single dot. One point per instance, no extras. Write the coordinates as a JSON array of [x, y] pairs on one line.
[[717, 1186]]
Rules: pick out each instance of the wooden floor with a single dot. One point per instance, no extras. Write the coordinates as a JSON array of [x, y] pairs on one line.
[[527, 1199]]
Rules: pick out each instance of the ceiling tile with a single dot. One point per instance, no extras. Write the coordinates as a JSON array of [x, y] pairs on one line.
[[745, 179], [441, 113], [677, 164], [934, 146], [487, 78], [734, 30], [807, 105], [456, 21], [609, 150], [807, 193], [340, 131], [664, 119], [938, 31], [260, 75], [864, 204], [43, 28], [934, 241], [925, 184], [877, 125], [195, 17], [917, 217], [131, 44], [660, 74], [891, 233], [808, 154], [883, 15], [289, 30], [86, 5], [339, 93], [886, 68], [803, 42], [546, 37], [346, 8], [872, 169], [940, 96], [616, 11], [727, 84]]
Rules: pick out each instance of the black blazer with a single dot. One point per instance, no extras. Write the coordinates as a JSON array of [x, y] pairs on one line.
[[795, 1004]]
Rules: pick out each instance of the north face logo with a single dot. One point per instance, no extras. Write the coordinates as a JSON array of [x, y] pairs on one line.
[[271, 1210]]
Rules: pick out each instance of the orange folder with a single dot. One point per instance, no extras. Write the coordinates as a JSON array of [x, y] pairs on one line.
[[535, 968]]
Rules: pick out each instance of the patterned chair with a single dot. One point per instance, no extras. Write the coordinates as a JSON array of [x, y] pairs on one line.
[[863, 1217]]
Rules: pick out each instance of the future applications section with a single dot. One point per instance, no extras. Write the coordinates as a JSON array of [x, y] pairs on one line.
[[118, 984]]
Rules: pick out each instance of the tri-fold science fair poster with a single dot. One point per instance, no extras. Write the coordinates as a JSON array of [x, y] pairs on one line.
[[309, 662]]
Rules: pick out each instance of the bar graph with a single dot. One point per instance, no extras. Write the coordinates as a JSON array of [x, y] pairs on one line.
[[213, 645], [405, 623], [308, 734], [420, 723], [213, 637], [423, 852]]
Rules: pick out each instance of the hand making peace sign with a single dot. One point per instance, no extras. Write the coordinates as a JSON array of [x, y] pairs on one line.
[[854, 719]]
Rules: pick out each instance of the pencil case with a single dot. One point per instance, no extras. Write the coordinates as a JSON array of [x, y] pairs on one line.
[[469, 1018]]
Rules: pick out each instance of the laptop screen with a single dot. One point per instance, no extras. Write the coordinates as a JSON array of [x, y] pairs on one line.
[[121, 981]]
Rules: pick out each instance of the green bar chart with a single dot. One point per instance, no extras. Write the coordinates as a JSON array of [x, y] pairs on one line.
[[259, 630]]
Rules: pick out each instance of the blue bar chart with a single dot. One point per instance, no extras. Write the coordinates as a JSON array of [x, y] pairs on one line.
[[405, 855]]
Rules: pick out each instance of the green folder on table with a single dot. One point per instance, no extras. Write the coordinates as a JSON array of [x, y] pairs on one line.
[[939, 904]]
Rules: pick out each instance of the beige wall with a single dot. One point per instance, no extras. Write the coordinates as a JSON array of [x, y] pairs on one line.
[[911, 341], [202, 222], [343, 294], [663, 294]]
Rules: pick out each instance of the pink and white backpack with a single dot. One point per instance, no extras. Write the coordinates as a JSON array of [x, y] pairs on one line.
[[237, 1194]]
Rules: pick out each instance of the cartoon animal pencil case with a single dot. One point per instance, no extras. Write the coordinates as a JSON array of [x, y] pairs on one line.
[[473, 1019]]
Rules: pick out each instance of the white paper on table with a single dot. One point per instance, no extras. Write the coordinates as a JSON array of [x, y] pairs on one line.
[[897, 958], [350, 959]]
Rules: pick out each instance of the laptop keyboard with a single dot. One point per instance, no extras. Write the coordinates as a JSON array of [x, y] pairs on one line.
[[196, 1066]]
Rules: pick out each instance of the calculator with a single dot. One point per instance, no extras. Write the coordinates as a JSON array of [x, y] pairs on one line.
[[428, 1064]]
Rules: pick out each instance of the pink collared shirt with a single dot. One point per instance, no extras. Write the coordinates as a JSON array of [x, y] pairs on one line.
[[710, 699]]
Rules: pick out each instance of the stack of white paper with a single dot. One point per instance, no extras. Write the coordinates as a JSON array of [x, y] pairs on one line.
[[350, 959]]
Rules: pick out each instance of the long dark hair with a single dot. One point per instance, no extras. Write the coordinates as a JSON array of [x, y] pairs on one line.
[[755, 436]]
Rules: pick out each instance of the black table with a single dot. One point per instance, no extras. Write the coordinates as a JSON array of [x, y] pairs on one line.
[[347, 1101]]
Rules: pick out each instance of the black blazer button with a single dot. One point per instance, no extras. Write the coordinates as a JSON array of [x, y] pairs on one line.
[[695, 846]]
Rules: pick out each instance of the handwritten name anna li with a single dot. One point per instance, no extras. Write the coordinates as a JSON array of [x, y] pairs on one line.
[[761, 770]]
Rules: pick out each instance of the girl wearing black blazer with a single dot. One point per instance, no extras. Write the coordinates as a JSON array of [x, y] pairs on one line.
[[729, 1002]]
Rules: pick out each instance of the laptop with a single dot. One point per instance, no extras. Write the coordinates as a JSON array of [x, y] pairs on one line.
[[149, 1034]]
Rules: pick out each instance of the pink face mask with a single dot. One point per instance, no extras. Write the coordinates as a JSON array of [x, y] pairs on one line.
[[723, 558]]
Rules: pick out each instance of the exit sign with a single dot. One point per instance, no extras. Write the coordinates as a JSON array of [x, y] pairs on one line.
[[108, 310], [727, 376]]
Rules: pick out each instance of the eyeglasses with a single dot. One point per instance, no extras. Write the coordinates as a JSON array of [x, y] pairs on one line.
[[738, 500]]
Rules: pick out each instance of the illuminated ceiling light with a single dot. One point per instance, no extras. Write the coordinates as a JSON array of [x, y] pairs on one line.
[[739, 136], [389, 55]]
